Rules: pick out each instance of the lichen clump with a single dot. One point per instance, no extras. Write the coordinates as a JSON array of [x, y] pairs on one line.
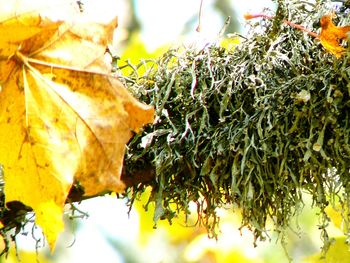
[[253, 127]]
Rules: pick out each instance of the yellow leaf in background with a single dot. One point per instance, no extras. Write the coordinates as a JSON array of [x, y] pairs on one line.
[[20, 255], [63, 118], [335, 214], [338, 252], [229, 43], [137, 52], [331, 36]]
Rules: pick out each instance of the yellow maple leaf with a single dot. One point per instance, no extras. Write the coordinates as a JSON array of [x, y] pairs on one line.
[[331, 36], [63, 118]]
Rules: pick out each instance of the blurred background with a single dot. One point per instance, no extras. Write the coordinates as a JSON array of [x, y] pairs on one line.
[[104, 230]]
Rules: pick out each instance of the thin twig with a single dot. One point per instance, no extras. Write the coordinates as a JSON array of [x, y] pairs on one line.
[[297, 26], [198, 29]]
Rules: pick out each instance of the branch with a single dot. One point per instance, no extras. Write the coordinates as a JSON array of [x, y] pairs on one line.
[[297, 26]]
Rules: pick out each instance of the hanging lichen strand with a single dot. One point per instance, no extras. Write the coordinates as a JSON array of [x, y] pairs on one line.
[[255, 127]]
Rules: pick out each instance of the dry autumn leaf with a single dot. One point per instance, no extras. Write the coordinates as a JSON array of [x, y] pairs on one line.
[[331, 36], [63, 118]]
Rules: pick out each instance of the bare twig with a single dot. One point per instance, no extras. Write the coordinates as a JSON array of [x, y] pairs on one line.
[[297, 26], [198, 29]]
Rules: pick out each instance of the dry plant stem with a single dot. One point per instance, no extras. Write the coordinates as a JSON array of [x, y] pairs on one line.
[[297, 26], [198, 29]]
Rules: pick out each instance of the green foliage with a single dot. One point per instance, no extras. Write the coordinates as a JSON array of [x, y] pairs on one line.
[[253, 127]]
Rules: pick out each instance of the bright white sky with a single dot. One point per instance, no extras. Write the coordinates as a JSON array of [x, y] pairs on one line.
[[164, 20]]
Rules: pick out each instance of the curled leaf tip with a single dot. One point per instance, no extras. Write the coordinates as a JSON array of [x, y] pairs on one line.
[[248, 16]]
